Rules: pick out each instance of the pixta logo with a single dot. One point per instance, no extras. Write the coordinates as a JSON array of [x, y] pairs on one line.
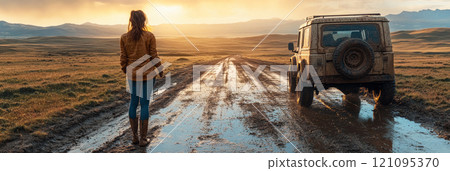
[[308, 77], [142, 76]]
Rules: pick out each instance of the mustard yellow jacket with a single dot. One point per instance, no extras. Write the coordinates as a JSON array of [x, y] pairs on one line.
[[131, 51]]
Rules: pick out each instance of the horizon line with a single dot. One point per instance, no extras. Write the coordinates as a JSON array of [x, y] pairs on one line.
[[275, 18]]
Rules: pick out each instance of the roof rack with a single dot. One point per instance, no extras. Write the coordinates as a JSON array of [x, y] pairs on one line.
[[343, 15]]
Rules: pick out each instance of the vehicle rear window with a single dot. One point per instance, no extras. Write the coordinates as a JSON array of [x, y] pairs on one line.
[[333, 35]]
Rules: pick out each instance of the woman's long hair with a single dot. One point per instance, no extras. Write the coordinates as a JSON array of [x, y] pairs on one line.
[[137, 24]]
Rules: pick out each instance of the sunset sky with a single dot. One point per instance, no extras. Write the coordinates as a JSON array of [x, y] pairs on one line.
[[56, 12]]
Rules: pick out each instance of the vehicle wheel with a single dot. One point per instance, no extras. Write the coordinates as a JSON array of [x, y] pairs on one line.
[[292, 76], [306, 96], [385, 94], [353, 58]]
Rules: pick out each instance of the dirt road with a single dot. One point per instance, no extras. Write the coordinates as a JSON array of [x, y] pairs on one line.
[[221, 119]]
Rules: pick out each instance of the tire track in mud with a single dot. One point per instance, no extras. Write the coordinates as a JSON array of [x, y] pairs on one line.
[[219, 131], [159, 105], [301, 127], [225, 120], [281, 101], [169, 113], [270, 121]]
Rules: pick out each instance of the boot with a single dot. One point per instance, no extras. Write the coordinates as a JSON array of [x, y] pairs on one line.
[[143, 126], [134, 129]]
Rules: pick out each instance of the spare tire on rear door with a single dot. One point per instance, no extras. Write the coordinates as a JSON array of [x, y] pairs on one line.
[[354, 58]]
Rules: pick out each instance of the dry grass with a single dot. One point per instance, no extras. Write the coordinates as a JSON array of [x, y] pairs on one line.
[[39, 134], [34, 89], [424, 78]]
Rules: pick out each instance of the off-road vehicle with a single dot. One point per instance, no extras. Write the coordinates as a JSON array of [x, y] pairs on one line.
[[347, 52]]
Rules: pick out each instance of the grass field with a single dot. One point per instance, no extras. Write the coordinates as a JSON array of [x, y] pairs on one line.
[[45, 77], [424, 78], [422, 65], [33, 89]]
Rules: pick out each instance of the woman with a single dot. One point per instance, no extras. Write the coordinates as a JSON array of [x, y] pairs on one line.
[[136, 44]]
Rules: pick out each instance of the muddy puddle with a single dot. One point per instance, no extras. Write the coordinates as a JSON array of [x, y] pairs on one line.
[[400, 134]]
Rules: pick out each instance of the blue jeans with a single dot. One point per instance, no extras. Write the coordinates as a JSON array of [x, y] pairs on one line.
[[138, 96]]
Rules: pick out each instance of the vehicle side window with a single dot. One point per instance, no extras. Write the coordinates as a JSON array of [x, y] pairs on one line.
[[300, 39], [306, 37]]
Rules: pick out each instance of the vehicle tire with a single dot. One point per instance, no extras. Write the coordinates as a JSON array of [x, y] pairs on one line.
[[384, 95], [292, 76], [354, 58], [306, 96]]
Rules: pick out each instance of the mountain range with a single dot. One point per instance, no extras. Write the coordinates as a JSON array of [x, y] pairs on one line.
[[403, 21]]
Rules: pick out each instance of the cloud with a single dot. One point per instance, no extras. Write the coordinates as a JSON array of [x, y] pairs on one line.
[[218, 11], [52, 12]]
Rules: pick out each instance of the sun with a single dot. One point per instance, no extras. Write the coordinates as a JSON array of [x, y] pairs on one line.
[[159, 14], [165, 9]]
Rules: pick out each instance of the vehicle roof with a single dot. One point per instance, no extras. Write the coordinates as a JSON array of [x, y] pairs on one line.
[[348, 18]]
